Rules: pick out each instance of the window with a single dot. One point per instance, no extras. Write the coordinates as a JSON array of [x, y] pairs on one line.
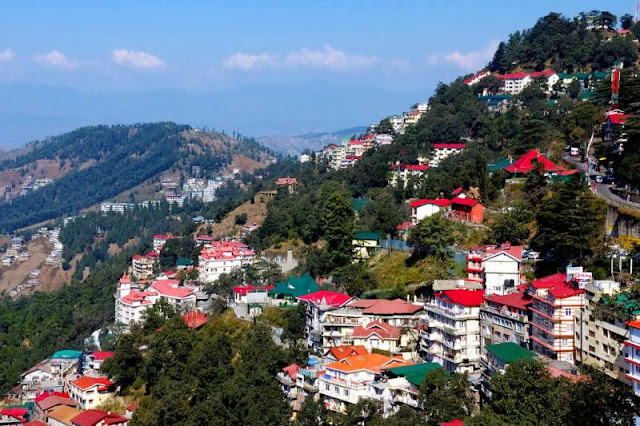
[[326, 386], [346, 392], [568, 312], [592, 333], [592, 349]]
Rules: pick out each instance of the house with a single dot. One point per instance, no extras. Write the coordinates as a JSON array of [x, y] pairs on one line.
[[346, 381], [402, 174], [91, 392], [130, 302], [289, 182], [195, 319], [378, 335], [403, 229], [205, 239], [94, 361], [13, 416], [411, 118], [403, 385], [470, 81], [442, 151], [505, 318], [99, 418], [65, 362], [427, 207], [610, 333], [614, 121], [160, 240], [515, 83], [338, 326], [318, 304], [46, 402], [62, 415], [287, 292], [365, 244], [336, 353], [550, 78], [497, 267], [221, 257], [556, 302], [531, 160], [632, 358], [142, 266], [251, 294], [453, 337], [287, 378], [360, 203], [183, 299], [498, 357], [467, 210]]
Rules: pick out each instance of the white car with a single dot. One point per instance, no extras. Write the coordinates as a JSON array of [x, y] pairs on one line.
[[599, 178], [533, 255]]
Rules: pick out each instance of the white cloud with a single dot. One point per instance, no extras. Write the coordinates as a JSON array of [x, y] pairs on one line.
[[432, 59], [401, 64], [137, 60], [56, 59], [472, 60], [328, 58], [6, 55]]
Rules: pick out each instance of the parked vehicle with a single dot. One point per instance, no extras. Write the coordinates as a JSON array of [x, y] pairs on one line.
[[599, 178], [575, 151], [533, 255]]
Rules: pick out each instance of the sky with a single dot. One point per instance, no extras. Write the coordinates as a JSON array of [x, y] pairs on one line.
[[257, 67]]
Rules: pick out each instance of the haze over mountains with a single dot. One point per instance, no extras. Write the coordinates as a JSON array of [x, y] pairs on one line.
[[31, 111]]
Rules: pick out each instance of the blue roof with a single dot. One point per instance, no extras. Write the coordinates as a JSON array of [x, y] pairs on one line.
[[67, 354]]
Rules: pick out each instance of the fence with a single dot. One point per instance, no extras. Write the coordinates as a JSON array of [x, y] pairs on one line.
[[391, 244]]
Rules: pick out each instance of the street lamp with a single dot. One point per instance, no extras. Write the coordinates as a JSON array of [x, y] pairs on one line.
[[588, 171]]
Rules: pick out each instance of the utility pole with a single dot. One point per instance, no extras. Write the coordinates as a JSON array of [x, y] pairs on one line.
[[588, 171]]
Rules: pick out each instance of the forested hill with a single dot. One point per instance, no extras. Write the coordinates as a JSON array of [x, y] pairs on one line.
[[587, 41], [99, 162]]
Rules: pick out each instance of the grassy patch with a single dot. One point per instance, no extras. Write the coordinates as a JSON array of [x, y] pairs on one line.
[[391, 270]]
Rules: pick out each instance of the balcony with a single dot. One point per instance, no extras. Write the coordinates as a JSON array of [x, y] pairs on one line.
[[453, 313], [505, 313], [405, 399], [285, 379], [344, 383]]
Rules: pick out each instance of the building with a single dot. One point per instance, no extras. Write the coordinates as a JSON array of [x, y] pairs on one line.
[[160, 240], [411, 118], [470, 81], [13, 416], [380, 335], [515, 83], [497, 267], [94, 362], [47, 402], [531, 160], [143, 267], [505, 318], [453, 335], [556, 302], [599, 341], [365, 244], [318, 304], [467, 210], [442, 151], [498, 357], [99, 418], [221, 257], [289, 182], [346, 381], [428, 207], [91, 392], [632, 357], [403, 386], [402, 174], [550, 78], [62, 415], [287, 292]]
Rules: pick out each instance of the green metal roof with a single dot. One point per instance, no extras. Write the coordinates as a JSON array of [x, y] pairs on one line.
[[495, 167], [564, 75], [366, 235], [296, 286], [67, 354], [184, 261], [509, 352], [359, 203], [416, 373]]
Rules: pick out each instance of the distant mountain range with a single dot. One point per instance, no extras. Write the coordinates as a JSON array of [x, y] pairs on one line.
[[295, 145]]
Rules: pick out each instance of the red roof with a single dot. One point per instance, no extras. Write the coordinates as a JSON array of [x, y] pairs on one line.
[[286, 181], [621, 31], [617, 118], [478, 75], [45, 395], [634, 324], [86, 382], [456, 422], [440, 202], [448, 145], [331, 298], [93, 417], [101, 356], [550, 281], [457, 191], [568, 172], [525, 163], [515, 251], [513, 76], [340, 352], [545, 73], [404, 225], [171, 288], [514, 300], [564, 291], [388, 307], [292, 371], [195, 319], [382, 329], [34, 423], [412, 167], [18, 413], [464, 297], [465, 201]]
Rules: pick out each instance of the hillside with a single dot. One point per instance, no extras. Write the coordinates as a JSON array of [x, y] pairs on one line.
[[296, 145], [93, 164]]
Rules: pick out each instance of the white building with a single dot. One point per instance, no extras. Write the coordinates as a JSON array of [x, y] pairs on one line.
[[453, 336], [319, 303], [515, 83], [402, 173], [90, 392], [633, 356], [427, 207], [496, 267], [159, 240], [221, 257], [442, 151]]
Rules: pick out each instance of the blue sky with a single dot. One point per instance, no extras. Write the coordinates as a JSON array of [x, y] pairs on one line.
[[254, 66]]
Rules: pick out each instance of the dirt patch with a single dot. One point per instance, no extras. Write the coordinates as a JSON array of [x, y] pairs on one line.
[[19, 272], [246, 164], [49, 169], [114, 249], [256, 213]]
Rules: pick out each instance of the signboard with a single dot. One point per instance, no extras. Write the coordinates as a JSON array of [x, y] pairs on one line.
[[583, 278], [573, 270]]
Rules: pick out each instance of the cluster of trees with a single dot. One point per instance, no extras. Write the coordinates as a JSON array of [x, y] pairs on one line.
[[566, 44]]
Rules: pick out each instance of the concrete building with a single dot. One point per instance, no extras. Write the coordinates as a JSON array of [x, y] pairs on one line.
[[319, 303], [515, 83], [428, 207], [505, 319], [221, 257], [402, 174], [453, 336], [442, 151], [496, 267]]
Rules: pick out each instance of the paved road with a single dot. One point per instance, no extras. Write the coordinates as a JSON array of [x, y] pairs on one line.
[[601, 189]]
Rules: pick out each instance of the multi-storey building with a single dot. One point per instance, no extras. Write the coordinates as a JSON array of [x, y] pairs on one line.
[[90, 392], [346, 381], [599, 341], [632, 357], [403, 173], [453, 336], [496, 267], [221, 257], [556, 303], [142, 266], [338, 325], [319, 303], [442, 151], [159, 240], [427, 207], [505, 319], [514, 83]]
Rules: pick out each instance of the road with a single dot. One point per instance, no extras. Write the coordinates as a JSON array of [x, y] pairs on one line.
[[601, 189]]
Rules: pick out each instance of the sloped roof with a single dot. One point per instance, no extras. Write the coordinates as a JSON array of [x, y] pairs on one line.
[[195, 319], [440, 202], [390, 307], [366, 235], [526, 163], [101, 356], [296, 286], [67, 354], [292, 371], [513, 251], [404, 225], [448, 145], [86, 382], [416, 373], [549, 281], [515, 300], [340, 352], [465, 202], [93, 417], [171, 288], [54, 400], [359, 203], [64, 414], [564, 291], [330, 298], [464, 297], [509, 352], [370, 362], [382, 329]]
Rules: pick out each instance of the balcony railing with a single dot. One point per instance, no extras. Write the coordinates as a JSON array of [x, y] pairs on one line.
[[505, 313], [448, 312], [345, 383]]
